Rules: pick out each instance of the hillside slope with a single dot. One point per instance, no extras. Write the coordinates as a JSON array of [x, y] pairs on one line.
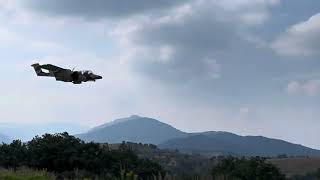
[[216, 142], [151, 131]]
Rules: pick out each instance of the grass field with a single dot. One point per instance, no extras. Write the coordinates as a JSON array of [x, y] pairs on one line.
[[25, 174], [297, 166]]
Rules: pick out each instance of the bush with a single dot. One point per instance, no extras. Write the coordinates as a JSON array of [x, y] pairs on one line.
[[246, 169], [69, 157], [25, 174]]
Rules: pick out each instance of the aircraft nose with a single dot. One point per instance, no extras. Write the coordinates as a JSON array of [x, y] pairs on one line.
[[99, 77]]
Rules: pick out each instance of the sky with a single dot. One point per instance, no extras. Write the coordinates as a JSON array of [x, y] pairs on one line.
[[249, 67]]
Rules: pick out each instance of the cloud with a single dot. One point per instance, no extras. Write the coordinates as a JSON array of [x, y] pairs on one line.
[[179, 41], [302, 39], [247, 11], [189, 42], [310, 87], [293, 87], [98, 9], [244, 113], [7, 37]]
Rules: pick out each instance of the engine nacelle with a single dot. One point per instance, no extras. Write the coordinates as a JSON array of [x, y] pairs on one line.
[[78, 77]]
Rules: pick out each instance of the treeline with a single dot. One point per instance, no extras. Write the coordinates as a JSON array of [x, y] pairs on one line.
[[70, 157], [308, 176], [246, 169]]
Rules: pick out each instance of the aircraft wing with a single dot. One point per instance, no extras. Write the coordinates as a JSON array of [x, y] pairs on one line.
[[52, 68]]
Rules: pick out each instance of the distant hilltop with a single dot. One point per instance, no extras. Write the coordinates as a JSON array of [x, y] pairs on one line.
[[133, 129], [151, 131]]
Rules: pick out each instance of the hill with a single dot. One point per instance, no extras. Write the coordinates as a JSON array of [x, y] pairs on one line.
[[133, 129], [151, 131], [213, 143]]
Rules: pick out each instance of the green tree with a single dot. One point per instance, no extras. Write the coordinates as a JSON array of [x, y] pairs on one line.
[[246, 169], [68, 156], [13, 155]]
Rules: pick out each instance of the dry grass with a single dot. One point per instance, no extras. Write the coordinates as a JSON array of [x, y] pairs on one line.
[[297, 166], [25, 174]]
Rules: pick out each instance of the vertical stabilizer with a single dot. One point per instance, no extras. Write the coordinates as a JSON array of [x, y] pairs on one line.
[[37, 68]]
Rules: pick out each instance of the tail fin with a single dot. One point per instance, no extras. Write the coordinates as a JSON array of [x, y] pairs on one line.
[[37, 68]]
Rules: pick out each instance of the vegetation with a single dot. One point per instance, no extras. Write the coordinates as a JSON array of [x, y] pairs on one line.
[[61, 156], [297, 166], [314, 175], [246, 169], [174, 162], [69, 157], [25, 174]]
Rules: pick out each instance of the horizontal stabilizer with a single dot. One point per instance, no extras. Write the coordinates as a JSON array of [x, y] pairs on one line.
[[38, 68]]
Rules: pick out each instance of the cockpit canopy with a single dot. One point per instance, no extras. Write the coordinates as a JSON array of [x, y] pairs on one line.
[[87, 72]]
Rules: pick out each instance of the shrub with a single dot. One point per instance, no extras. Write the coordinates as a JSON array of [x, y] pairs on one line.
[[246, 169], [69, 157]]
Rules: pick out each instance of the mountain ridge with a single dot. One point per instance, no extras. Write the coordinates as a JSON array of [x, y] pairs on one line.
[[239, 145], [151, 131], [134, 129], [114, 122]]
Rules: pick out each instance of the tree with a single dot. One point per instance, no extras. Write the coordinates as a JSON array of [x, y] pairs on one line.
[[13, 155], [318, 174], [246, 169], [65, 154]]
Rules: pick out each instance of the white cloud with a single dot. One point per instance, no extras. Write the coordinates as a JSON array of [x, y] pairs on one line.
[[7, 37], [312, 87], [250, 12], [213, 68], [309, 87], [302, 39], [184, 42], [46, 46], [294, 87], [166, 53], [244, 113], [236, 4]]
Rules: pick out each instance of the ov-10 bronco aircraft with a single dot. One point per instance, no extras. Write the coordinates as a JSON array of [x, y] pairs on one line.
[[65, 75]]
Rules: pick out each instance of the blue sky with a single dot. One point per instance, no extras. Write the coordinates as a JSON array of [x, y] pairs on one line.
[[246, 66]]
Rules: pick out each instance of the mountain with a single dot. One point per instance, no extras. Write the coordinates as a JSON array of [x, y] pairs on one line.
[[227, 143], [103, 126], [5, 139], [151, 131], [133, 129]]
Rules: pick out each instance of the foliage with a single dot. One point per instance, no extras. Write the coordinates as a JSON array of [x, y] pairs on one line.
[[13, 155], [314, 175], [25, 174], [317, 174], [246, 169], [68, 156]]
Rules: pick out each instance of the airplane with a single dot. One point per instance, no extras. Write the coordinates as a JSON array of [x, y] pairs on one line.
[[65, 75]]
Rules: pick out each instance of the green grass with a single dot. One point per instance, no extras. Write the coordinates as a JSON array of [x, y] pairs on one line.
[[13, 177], [25, 174]]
